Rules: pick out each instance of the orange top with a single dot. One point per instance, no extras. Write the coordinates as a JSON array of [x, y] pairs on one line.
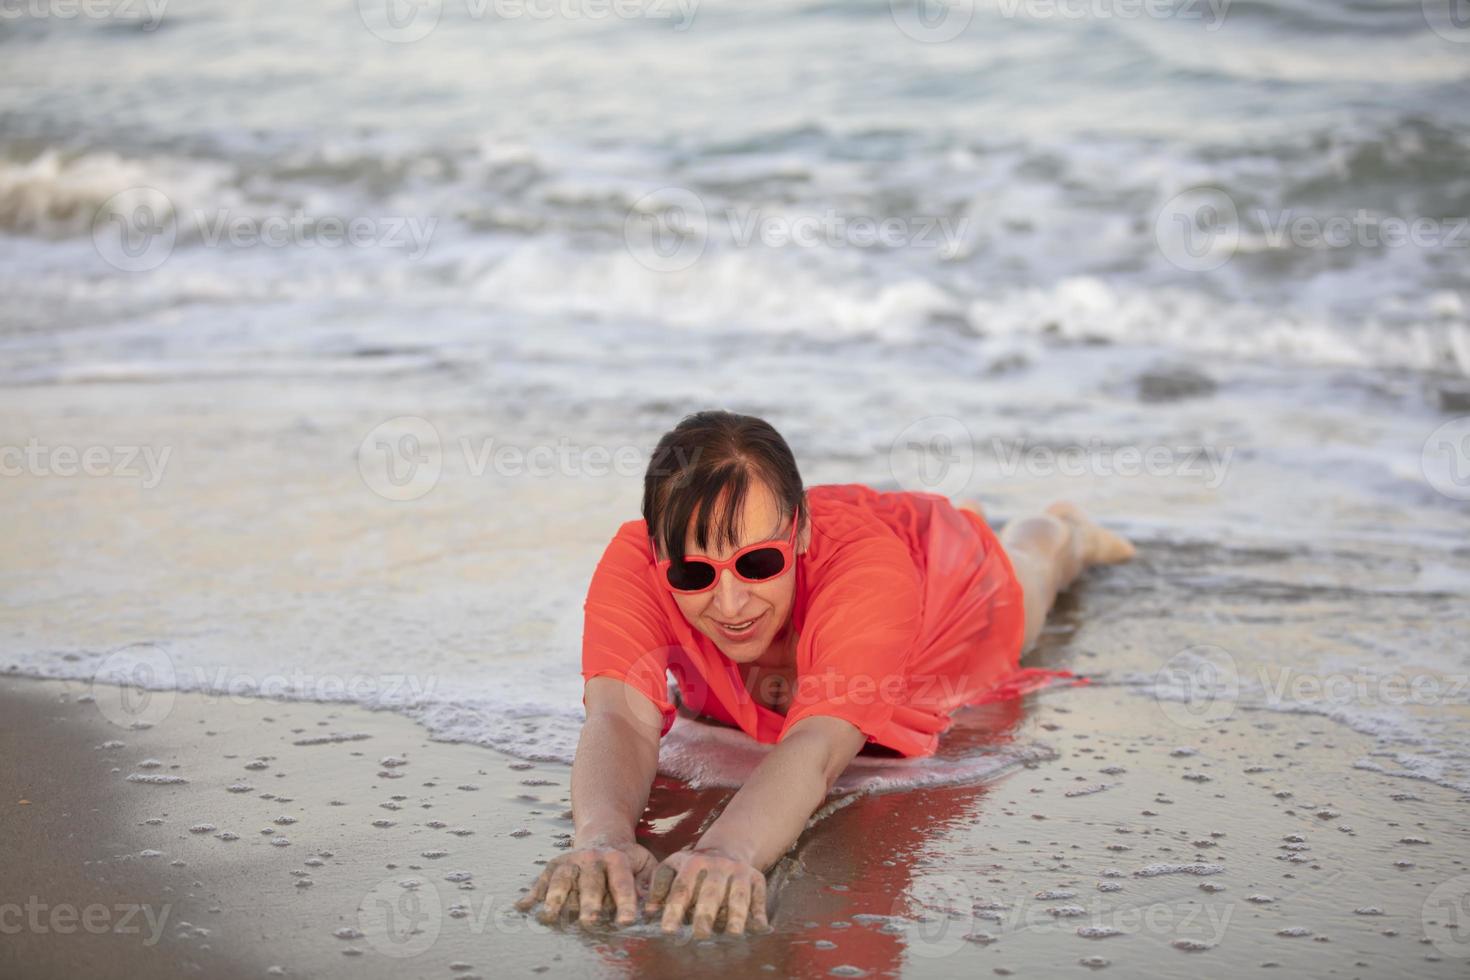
[[906, 608]]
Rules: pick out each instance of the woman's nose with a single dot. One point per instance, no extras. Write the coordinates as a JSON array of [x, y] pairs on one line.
[[729, 596]]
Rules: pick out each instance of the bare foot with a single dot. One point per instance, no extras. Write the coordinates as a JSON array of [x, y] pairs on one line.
[[1100, 546]]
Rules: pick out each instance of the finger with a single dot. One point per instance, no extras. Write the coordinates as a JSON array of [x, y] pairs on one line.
[[563, 880], [621, 889], [591, 885], [643, 879], [758, 904], [658, 889], [682, 894], [711, 897], [739, 906], [537, 892]]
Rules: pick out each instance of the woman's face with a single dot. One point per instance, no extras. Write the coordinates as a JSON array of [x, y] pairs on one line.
[[733, 602]]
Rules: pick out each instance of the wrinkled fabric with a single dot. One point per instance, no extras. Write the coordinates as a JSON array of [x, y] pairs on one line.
[[906, 608]]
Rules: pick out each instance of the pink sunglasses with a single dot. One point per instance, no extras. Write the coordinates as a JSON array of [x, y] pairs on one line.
[[758, 562]]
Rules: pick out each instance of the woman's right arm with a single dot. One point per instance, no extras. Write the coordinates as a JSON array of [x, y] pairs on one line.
[[612, 772]]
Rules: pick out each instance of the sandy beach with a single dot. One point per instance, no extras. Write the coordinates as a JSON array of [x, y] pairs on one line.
[[248, 838]]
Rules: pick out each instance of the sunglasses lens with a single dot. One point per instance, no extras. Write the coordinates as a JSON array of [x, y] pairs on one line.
[[687, 576], [761, 564]]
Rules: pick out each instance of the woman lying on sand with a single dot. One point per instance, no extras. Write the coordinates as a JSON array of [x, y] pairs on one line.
[[820, 620]]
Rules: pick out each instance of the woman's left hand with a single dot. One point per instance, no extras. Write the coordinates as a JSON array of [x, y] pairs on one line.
[[707, 882]]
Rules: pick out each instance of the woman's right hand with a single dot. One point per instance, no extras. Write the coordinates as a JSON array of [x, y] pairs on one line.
[[598, 871]]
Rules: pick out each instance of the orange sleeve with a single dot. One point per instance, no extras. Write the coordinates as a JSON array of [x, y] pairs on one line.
[[862, 621], [625, 634]]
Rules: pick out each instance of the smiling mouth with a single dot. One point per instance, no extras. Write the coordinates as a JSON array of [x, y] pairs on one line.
[[743, 628]]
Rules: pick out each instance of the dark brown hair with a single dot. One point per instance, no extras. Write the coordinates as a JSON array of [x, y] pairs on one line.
[[706, 454]]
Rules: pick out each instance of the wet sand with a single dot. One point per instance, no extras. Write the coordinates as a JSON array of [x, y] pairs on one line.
[[255, 838]]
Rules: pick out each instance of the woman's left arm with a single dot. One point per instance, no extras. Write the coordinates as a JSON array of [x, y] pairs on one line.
[[762, 820]]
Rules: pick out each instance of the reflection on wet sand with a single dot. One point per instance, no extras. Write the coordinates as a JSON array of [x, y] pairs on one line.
[[832, 897]]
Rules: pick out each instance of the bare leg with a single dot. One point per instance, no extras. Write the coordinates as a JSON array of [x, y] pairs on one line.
[[1048, 552]]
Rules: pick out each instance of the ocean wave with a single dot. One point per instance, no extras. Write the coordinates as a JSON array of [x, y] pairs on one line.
[[701, 754], [1089, 308], [1053, 240], [60, 194]]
